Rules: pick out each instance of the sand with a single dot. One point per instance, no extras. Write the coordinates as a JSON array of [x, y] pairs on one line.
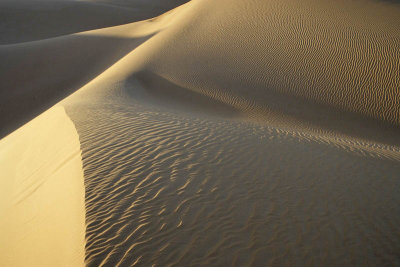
[[220, 133], [30, 20], [42, 199]]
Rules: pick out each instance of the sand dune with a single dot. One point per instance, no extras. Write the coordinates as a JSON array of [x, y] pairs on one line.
[[322, 69], [261, 54], [29, 20], [167, 187], [56, 68], [144, 5], [228, 132], [42, 220]]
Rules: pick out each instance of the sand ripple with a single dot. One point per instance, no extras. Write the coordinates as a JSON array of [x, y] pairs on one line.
[[173, 188]]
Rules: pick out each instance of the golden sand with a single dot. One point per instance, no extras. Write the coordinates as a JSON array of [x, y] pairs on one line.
[[218, 133], [42, 219]]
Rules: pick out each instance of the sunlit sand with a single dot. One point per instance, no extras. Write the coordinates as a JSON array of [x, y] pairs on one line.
[[42, 194], [206, 133]]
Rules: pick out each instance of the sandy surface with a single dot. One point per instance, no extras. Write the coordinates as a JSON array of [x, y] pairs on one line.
[[30, 20], [42, 199], [223, 132]]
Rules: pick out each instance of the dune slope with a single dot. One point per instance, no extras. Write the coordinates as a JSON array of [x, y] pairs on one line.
[[42, 211], [29, 20], [144, 5], [224, 132], [36, 75]]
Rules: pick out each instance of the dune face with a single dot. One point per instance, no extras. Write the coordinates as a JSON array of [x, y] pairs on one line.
[[245, 133], [144, 5], [30, 20], [42, 212]]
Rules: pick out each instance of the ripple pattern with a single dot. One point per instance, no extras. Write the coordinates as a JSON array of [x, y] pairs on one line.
[[342, 55], [167, 188]]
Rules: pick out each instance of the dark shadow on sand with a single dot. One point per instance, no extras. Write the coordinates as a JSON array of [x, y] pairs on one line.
[[24, 70]]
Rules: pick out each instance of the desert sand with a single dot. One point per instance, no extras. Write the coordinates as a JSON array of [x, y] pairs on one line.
[[42, 219], [245, 133]]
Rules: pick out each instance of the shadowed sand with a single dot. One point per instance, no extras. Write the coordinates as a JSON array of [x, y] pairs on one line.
[[165, 187], [229, 132], [29, 20]]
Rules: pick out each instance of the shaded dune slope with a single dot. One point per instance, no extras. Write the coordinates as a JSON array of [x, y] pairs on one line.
[[29, 20], [145, 5], [56, 68], [281, 110], [38, 74], [167, 187]]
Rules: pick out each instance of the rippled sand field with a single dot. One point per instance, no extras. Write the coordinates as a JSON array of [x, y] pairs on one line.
[[168, 188], [220, 133]]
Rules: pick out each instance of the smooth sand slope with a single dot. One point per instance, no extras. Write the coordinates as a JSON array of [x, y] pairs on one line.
[[144, 5], [42, 206], [231, 132], [29, 20]]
